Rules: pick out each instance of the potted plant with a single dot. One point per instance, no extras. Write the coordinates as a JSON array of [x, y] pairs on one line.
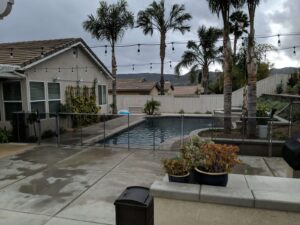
[[262, 119], [191, 152], [214, 163], [178, 169]]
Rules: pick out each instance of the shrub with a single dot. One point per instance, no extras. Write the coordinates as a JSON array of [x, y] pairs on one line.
[[217, 158], [176, 166], [4, 136], [293, 80], [151, 106], [279, 88]]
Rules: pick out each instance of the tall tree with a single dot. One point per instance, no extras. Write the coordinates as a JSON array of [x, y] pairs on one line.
[[110, 23], [224, 7], [238, 26], [154, 18], [200, 56], [252, 70]]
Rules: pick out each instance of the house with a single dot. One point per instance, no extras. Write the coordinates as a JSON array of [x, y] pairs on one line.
[[34, 75], [187, 91], [140, 87]]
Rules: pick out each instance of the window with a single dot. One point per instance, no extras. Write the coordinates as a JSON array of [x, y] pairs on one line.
[[37, 97], [54, 97], [102, 98], [12, 98]]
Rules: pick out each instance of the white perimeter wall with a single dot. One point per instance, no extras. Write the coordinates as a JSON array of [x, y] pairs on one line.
[[201, 104]]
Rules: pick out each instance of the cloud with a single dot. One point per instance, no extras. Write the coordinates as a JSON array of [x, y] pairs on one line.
[[49, 19]]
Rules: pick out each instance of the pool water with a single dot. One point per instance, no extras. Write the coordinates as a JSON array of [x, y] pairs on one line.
[[158, 129]]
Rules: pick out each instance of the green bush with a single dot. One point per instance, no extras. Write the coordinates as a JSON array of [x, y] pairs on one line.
[[4, 136], [279, 88], [151, 107]]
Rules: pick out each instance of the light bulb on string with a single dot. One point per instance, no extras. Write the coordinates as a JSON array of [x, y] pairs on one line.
[[151, 66], [46, 70], [173, 48], [11, 53], [34, 69], [170, 64], [139, 49], [72, 69], [59, 69], [279, 41], [74, 52], [105, 50], [86, 69], [132, 67], [295, 50], [42, 52]]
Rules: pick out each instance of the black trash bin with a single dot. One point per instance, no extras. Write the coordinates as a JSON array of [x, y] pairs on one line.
[[135, 207]]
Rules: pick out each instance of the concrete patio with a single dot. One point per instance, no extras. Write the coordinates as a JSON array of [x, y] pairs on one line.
[[78, 186]]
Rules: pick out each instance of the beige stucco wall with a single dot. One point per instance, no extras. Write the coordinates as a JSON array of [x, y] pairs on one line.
[[175, 212], [67, 77]]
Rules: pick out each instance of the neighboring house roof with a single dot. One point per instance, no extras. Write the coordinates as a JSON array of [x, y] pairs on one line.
[[186, 91], [134, 85], [29, 53]]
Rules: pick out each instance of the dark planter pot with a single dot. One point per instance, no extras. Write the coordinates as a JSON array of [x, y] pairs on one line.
[[193, 177], [179, 179], [214, 179]]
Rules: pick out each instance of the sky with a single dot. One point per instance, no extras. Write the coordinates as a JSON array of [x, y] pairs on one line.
[[52, 19]]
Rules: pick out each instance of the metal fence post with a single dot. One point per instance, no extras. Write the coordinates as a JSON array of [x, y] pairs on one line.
[[128, 133], [104, 134], [80, 122], [153, 137], [57, 130], [18, 124], [40, 128], [270, 152], [181, 139], [290, 118]]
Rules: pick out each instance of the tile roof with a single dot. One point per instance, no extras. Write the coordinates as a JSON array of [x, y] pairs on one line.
[[134, 85], [26, 53], [186, 91]]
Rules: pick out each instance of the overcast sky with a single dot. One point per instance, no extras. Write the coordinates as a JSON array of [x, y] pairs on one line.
[[51, 19]]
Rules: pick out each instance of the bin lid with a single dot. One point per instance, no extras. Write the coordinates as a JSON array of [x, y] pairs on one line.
[[135, 195]]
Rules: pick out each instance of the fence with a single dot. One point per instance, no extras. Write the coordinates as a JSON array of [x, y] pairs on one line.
[[154, 132], [201, 104]]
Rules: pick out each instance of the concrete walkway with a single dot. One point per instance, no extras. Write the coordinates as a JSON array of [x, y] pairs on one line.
[[74, 186], [96, 132]]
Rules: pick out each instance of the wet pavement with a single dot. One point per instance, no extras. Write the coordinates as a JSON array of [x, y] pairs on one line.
[[78, 186]]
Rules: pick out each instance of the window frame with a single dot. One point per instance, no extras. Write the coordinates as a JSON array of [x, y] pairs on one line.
[[37, 101], [53, 100], [11, 101], [101, 98]]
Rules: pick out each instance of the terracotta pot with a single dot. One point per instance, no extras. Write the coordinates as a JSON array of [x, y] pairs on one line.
[[215, 179], [179, 179]]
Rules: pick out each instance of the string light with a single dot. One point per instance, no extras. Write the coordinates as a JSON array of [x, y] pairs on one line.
[[46, 70], [295, 50], [74, 52], [59, 69], [139, 49], [132, 67], [151, 66], [105, 50], [72, 69], [279, 42], [170, 64], [42, 52], [173, 48], [11, 53], [86, 69]]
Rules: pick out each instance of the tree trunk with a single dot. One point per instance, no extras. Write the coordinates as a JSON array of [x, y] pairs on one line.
[[235, 48], [162, 61], [205, 77], [114, 83], [252, 72], [227, 77]]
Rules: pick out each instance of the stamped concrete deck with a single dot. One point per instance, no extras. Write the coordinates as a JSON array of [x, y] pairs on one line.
[[78, 186]]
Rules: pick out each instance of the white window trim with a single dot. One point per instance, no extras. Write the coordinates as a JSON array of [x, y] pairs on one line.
[[103, 85], [37, 101], [53, 100]]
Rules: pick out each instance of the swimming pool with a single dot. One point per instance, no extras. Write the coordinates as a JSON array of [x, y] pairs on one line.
[[159, 129]]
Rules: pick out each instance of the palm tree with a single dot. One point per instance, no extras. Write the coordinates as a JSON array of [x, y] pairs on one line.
[[223, 7], [153, 18], [110, 24], [238, 26], [201, 55], [252, 70]]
